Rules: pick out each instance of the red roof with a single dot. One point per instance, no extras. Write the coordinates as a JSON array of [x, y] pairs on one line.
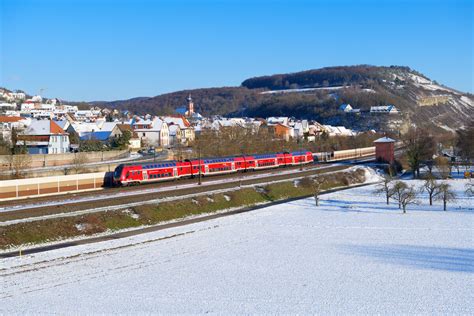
[[185, 120], [10, 119], [54, 128]]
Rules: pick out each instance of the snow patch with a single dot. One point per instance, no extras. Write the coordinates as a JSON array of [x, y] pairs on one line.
[[301, 90], [131, 213], [81, 226]]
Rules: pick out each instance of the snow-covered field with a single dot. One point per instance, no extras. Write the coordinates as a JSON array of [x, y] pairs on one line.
[[351, 255]]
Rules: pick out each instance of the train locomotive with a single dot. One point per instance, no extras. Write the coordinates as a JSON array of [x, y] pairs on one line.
[[138, 173]]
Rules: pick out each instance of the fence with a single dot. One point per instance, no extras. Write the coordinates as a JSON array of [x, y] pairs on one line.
[[51, 160], [11, 189]]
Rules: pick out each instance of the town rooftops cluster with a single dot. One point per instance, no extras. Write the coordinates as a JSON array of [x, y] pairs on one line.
[[46, 126]]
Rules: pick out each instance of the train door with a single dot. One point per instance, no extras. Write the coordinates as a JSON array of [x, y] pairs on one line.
[[232, 164], [145, 175], [206, 169], [175, 172]]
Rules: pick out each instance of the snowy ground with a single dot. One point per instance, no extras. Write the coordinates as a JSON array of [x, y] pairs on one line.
[[351, 255]]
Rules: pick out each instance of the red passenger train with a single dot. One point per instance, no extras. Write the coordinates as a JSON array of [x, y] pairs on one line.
[[136, 173]]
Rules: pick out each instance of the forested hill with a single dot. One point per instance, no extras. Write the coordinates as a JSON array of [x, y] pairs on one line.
[[317, 94], [325, 77]]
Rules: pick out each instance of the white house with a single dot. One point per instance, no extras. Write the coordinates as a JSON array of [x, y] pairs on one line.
[[175, 134], [277, 120], [185, 129], [7, 123], [44, 137], [389, 109], [7, 106], [153, 132]]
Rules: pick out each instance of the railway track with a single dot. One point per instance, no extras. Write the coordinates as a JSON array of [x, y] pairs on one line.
[[119, 196], [158, 227]]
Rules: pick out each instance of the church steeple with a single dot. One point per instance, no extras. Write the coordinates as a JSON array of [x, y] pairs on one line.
[[190, 111]]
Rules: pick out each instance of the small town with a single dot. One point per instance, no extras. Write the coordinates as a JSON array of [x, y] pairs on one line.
[[198, 157], [51, 127]]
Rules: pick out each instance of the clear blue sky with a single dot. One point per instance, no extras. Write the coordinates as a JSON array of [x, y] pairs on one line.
[[116, 49]]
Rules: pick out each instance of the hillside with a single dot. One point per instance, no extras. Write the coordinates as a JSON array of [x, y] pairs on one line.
[[318, 93]]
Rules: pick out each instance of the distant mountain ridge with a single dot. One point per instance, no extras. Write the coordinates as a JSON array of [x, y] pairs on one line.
[[318, 93]]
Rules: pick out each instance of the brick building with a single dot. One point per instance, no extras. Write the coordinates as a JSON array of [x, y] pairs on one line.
[[385, 149]]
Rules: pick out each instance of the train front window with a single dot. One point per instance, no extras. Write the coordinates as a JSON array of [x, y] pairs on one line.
[[118, 172]]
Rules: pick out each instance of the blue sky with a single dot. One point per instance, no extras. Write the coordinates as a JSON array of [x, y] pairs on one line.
[[115, 49]]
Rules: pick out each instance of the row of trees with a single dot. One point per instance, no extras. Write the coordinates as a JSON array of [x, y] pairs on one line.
[[238, 141], [405, 194], [420, 148]]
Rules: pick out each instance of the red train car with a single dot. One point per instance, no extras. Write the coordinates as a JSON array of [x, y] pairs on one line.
[[136, 173]]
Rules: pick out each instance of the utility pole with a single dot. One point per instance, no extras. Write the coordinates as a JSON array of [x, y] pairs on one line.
[[199, 159], [301, 150]]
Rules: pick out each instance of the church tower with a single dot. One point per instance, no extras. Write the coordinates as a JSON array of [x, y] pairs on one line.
[[190, 111]]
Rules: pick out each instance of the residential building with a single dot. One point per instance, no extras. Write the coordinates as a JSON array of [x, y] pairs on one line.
[[187, 134], [283, 131], [388, 109], [44, 137], [175, 134], [4, 106], [277, 120], [8, 123], [153, 132], [135, 142]]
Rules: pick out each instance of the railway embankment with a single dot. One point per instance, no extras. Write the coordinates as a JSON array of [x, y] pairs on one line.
[[109, 222]]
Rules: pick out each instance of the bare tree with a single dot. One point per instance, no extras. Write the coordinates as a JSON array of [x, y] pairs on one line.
[[419, 147], [398, 189], [408, 197], [385, 188], [445, 194], [405, 195], [430, 164], [317, 188], [464, 143], [470, 189], [18, 164], [431, 187], [79, 162]]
